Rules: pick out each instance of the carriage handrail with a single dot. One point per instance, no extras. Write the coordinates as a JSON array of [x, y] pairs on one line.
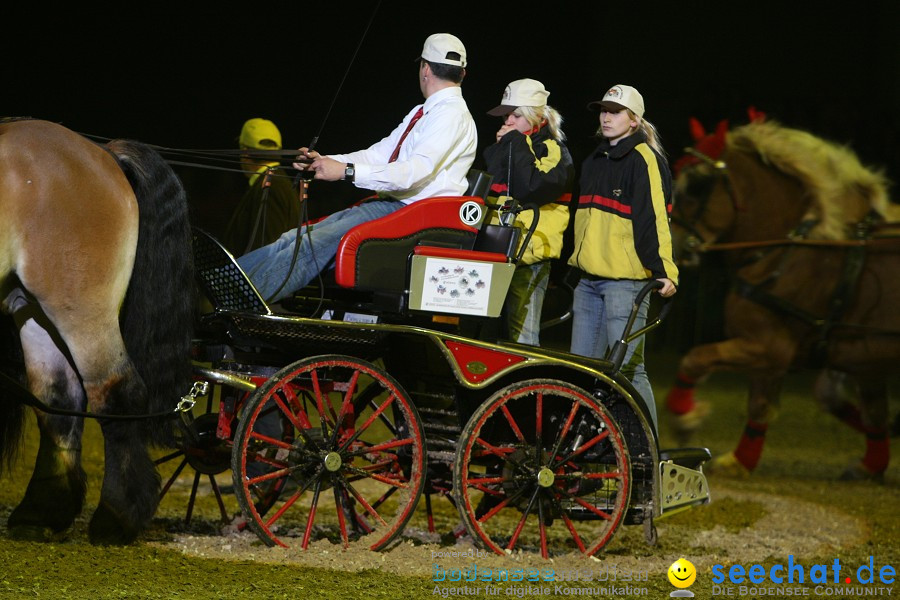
[[617, 353]]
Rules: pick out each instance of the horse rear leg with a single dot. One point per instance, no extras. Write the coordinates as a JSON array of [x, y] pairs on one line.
[[762, 406], [111, 385], [130, 489], [834, 391], [873, 396], [55, 493]]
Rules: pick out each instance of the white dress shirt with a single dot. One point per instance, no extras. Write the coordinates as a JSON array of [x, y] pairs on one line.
[[434, 158]]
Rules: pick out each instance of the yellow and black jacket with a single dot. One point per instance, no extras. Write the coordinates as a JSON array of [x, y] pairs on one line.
[[534, 169], [622, 218]]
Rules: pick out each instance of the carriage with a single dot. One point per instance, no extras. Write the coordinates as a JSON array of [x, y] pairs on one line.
[[336, 414]]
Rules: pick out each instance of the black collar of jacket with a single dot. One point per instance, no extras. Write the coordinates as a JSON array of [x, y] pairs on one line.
[[623, 147]]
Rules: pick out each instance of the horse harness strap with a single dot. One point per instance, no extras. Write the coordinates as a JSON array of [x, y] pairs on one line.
[[185, 403], [855, 258]]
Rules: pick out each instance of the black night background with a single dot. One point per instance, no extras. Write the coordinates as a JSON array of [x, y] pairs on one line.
[[188, 77]]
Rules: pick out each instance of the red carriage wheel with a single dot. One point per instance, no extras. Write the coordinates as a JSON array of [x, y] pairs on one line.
[[540, 465], [200, 451], [344, 441]]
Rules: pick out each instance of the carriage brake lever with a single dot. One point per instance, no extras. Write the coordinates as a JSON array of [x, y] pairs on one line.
[[617, 353]]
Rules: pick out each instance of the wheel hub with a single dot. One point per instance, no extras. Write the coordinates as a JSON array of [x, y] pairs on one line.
[[545, 477], [333, 461], [203, 449]]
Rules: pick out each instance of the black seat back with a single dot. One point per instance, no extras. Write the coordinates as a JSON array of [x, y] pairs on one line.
[[479, 183]]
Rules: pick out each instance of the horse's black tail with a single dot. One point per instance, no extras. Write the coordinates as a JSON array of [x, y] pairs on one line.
[[158, 315], [12, 411]]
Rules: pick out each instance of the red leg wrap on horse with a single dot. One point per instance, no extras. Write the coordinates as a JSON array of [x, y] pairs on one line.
[[681, 397], [750, 446], [878, 451]]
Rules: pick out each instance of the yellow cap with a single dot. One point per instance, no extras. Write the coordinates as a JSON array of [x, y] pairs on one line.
[[261, 134]]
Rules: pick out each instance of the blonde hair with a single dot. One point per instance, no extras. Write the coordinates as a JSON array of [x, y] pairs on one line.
[[535, 115], [649, 130]]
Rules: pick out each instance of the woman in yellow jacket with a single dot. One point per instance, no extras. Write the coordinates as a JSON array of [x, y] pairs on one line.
[[531, 164], [622, 237]]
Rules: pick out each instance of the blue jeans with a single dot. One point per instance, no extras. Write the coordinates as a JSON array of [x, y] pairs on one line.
[[601, 308], [268, 266], [524, 301]]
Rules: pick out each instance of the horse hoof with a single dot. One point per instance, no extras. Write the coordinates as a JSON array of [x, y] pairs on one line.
[[31, 533], [684, 426], [858, 472], [106, 529], [727, 465]]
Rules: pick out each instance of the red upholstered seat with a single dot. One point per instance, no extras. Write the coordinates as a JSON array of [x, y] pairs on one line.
[[373, 255]]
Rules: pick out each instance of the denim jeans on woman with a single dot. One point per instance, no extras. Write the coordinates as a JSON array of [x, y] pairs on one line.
[[525, 300], [601, 308], [268, 266]]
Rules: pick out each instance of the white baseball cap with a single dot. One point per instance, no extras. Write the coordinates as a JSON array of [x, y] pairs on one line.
[[521, 92], [444, 48], [621, 96]]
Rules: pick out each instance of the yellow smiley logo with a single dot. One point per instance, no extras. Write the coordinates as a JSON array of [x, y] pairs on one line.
[[682, 573]]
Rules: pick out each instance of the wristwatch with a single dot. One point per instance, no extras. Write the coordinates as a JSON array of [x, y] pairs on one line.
[[350, 172]]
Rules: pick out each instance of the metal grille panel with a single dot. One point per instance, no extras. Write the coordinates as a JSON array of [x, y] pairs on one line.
[[226, 285]]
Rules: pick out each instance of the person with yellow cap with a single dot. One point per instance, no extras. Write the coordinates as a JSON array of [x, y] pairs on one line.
[[530, 163], [270, 205], [427, 155]]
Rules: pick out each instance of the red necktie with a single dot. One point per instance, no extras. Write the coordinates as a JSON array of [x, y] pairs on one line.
[[409, 127]]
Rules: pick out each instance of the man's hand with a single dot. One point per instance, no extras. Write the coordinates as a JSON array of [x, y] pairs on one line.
[[328, 169], [304, 159]]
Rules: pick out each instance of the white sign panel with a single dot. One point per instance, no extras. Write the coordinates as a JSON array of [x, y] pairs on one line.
[[456, 286]]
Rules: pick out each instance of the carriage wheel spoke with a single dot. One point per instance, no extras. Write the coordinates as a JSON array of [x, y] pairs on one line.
[[521, 525], [583, 448], [564, 430], [345, 410], [379, 447], [299, 419], [218, 494], [501, 452], [339, 508], [369, 509], [323, 415], [385, 496], [602, 514], [538, 425], [174, 476], [543, 530], [513, 424], [575, 536], [164, 459], [362, 428], [193, 498]]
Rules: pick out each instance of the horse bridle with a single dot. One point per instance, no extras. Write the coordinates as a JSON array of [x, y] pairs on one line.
[[720, 169]]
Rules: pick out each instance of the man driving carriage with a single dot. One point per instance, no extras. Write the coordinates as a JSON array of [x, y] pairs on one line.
[[426, 155]]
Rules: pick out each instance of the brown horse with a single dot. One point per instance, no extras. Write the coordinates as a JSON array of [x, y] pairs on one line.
[[96, 272], [805, 232]]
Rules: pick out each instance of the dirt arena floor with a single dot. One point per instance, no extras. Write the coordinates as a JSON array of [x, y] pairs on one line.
[[792, 509]]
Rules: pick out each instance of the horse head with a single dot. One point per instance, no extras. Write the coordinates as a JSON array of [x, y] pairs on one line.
[[700, 175]]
